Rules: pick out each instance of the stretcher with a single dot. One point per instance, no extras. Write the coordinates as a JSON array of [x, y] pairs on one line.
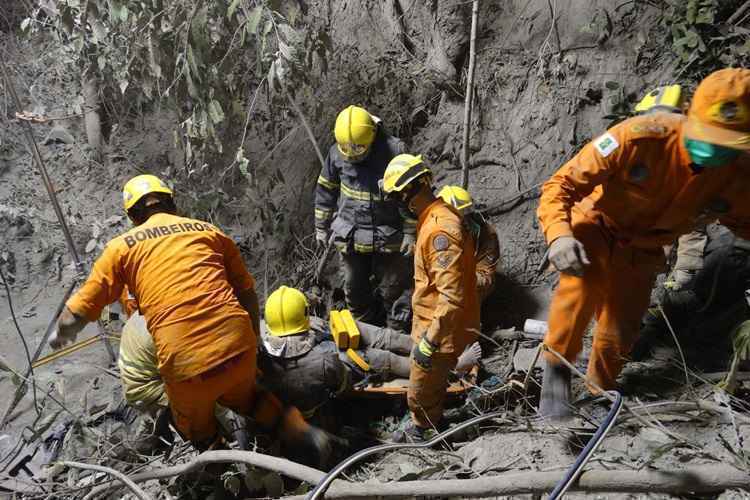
[[371, 387]]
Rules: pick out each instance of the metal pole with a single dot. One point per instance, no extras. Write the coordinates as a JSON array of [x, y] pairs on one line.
[[29, 133]]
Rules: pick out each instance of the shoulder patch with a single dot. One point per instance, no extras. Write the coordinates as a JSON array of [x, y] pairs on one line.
[[440, 242], [606, 144]]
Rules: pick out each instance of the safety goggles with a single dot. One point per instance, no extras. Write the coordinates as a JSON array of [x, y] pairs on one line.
[[354, 151]]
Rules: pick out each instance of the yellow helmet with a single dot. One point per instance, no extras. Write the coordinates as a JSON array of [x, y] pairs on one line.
[[458, 197], [355, 132], [286, 312], [668, 98], [141, 185], [402, 171]]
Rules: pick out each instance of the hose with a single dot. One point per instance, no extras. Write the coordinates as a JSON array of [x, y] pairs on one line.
[[320, 490], [575, 470]]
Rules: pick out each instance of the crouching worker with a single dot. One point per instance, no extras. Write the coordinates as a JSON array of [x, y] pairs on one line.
[[200, 306], [143, 389]]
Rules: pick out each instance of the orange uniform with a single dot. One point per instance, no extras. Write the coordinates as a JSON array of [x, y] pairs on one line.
[[445, 305], [624, 195], [184, 275], [488, 256]]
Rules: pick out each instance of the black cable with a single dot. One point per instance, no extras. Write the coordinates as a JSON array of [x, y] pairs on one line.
[[575, 470], [23, 340]]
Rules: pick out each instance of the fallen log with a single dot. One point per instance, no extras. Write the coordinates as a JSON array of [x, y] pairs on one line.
[[698, 479]]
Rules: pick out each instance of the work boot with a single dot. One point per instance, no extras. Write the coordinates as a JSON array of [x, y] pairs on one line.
[[410, 433], [555, 399]]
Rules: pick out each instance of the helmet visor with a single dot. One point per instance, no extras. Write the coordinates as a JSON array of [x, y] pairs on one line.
[[354, 152]]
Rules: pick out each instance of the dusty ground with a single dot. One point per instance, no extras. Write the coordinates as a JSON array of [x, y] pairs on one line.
[[536, 103]]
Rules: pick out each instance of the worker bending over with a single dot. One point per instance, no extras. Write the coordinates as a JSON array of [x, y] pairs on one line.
[[191, 285], [445, 303], [374, 238], [607, 213], [487, 245]]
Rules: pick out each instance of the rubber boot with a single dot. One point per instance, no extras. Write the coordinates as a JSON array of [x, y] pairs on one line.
[[555, 398]]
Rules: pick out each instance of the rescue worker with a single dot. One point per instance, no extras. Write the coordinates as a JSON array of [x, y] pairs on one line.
[[607, 213], [487, 250], [374, 238], [445, 303], [200, 306], [304, 363]]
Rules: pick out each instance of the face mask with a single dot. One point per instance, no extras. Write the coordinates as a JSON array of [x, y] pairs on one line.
[[472, 224], [705, 154]]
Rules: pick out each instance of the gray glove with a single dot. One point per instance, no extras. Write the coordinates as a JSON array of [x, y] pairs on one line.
[[322, 236], [568, 255], [408, 244]]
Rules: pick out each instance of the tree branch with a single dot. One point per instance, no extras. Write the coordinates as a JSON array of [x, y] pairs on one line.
[[710, 478], [280, 465], [138, 492], [469, 95]]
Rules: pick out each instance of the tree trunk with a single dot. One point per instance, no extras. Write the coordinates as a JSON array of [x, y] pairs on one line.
[[91, 117]]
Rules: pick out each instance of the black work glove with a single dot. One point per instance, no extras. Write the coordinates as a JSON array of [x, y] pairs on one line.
[[422, 353]]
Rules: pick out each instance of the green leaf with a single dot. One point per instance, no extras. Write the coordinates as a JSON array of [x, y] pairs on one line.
[[215, 111], [233, 7], [253, 20], [118, 11], [612, 85], [193, 63]]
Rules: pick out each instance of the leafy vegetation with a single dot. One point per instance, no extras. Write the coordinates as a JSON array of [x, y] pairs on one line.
[[699, 35], [202, 57]]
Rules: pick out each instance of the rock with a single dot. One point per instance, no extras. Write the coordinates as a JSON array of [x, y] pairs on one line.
[[59, 134], [523, 358]]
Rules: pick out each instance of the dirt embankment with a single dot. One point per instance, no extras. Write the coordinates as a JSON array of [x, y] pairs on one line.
[[548, 73]]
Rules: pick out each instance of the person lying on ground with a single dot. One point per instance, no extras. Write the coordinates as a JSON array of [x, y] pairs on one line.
[[306, 364]]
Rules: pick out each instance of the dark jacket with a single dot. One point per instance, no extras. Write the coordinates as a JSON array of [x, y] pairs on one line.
[[364, 222], [306, 372]]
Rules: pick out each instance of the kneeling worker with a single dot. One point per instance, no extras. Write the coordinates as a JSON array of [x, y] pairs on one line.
[[445, 303], [200, 305]]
